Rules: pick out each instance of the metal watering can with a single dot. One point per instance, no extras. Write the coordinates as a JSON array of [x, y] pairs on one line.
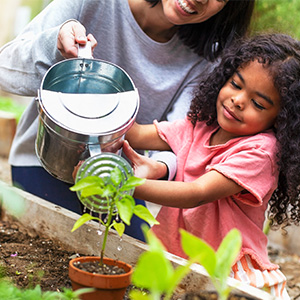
[[85, 107]]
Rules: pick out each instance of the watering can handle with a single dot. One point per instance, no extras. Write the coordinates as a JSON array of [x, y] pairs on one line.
[[94, 149], [85, 51]]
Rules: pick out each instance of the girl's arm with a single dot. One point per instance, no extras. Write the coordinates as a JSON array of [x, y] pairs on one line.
[[145, 137], [207, 188]]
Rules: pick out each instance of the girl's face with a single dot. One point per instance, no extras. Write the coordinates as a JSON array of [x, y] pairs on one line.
[[248, 103], [181, 12]]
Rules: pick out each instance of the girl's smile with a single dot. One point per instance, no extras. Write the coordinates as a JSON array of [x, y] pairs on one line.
[[248, 103], [230, 114]]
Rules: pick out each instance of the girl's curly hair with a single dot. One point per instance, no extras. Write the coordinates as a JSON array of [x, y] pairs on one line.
[[280, 55]]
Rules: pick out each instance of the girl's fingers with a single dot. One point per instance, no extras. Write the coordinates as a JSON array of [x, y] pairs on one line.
[[129, 152]]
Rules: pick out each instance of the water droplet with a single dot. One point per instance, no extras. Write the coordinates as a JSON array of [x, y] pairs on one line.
[[84, 209], [99, 232], [119, 248]]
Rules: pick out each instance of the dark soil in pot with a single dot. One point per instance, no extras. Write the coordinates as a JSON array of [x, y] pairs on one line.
[[96, 268]]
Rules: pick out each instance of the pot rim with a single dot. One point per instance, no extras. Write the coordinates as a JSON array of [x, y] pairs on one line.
[[107, 259]]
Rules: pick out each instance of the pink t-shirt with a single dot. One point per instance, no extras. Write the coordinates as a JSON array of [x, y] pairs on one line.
[[249, 161]]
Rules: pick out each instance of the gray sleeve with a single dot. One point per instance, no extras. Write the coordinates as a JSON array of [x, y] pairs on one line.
[[168, 158], [24, 61], [182, 104]]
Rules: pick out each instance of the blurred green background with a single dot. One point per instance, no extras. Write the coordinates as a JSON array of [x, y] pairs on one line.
[[277, 16]]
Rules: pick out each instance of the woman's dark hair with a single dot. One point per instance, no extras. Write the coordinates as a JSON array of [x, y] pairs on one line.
[[280, 55], [221, 29]]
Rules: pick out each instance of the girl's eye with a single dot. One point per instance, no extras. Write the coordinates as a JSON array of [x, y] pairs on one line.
[[256, 104], [235, 85]]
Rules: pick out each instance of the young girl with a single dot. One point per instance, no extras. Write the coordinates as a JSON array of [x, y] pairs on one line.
[[237, 152]]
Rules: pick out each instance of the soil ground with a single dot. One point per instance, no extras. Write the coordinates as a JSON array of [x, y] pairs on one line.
[[30, 259]]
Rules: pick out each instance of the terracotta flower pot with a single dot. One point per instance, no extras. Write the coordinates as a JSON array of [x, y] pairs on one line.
[[108, 287]]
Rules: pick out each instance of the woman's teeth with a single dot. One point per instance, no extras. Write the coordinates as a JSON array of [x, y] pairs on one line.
[[185, 7]]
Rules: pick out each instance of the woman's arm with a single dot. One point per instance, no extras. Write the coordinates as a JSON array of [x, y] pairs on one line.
[[145, 137], [207, 188]]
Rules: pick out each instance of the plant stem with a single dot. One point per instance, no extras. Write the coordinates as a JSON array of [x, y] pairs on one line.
[[107, 225]]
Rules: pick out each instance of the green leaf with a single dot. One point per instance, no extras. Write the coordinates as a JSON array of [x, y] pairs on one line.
[[116, 176], [199, 250], [125, 208], [227, 253], [143, 213], [82, 220], [109, 191], [132, 182], [87, 182], [177, 277], [153, 271], [90, 191], [154, 243], [119, 227], [138, 295]]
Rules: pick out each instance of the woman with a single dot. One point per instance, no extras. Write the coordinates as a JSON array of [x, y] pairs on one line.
[[164, 46]]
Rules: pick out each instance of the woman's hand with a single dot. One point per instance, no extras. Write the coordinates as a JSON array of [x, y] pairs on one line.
[[144, 167], [71, 34]]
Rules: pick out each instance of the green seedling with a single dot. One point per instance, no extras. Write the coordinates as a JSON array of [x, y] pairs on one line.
[[9, 291], [217, 263], [155, 273], [110, 189]]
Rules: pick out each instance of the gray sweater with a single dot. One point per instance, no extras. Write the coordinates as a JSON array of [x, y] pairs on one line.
[[160, 71]]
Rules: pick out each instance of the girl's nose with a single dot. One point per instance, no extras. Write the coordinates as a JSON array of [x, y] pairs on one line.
[[238, 102]]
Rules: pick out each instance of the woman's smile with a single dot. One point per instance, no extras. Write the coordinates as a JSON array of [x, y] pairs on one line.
[[181, 12], [186, 7]]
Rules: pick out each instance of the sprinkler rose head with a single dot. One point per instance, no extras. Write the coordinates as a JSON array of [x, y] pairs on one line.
[[101, 166]]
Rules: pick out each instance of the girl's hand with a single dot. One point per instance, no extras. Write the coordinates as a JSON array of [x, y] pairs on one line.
[[76, 168], [144, 167], [70, 34]]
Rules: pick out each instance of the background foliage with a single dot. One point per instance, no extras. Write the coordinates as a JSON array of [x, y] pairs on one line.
[[277, 16]]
